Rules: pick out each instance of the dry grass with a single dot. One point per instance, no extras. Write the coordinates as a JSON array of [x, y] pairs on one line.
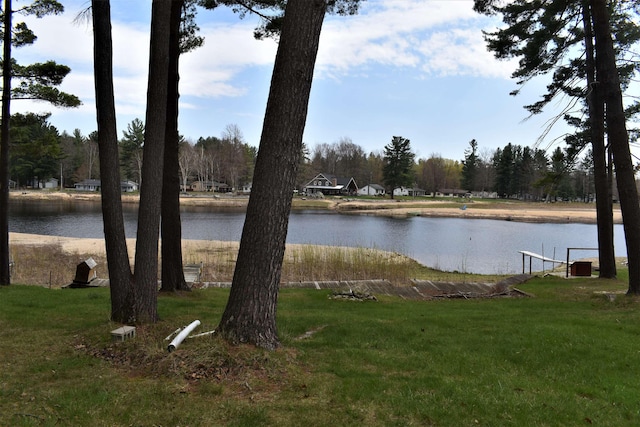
[[54, 266], [48, 265]]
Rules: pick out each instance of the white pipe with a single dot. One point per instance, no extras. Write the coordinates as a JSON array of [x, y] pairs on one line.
[[182, 335], [172, 334]]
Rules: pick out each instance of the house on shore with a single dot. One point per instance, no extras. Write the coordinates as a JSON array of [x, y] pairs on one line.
[[371, 190], [246, 188], [453, 192], [205, 186], [411, 192], [128, 186], [95, 184], [87, 185], [331, 185]]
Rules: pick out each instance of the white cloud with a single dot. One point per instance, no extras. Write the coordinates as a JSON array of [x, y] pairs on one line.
[[461, 52], [210, 70], [437, 37]]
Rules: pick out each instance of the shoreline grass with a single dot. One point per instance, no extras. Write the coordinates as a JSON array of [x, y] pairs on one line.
[[563, 357], [51, 266]]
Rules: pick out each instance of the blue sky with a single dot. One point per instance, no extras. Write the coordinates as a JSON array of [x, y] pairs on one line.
[[412, 68]]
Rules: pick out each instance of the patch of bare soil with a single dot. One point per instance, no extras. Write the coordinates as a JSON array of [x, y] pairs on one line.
[[244, 371]]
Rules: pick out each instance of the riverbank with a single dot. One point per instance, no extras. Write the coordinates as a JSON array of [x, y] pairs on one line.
[[560, 212]]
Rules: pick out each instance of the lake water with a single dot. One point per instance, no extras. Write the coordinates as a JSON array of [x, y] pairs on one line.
[[467, 245]]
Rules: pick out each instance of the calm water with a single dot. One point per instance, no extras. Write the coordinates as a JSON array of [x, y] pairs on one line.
[[470, 245]]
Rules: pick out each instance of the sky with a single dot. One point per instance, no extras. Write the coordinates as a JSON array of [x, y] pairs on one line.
[[412, 68]]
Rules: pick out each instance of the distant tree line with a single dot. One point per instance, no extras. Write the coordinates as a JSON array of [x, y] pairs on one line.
[[39, 153]]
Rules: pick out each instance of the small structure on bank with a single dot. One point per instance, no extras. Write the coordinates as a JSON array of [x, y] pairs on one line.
[[85, 273]]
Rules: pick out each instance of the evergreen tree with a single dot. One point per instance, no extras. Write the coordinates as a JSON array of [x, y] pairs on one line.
[[470, 166], [131, 149], [121, 285], [558, 38], [149, 210], [250, 313], [182, 39], [504, 165], [35, 150], [398, 167], [36, 81]]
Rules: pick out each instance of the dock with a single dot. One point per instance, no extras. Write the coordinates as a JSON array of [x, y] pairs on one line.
[[543, 258]]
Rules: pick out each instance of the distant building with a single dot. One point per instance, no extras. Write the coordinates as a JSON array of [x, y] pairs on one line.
[[88, 185], [94, 185], [204, 186], [411, 192], [128, 186], [246, 188], [50, 183], [331, 185], [371, 190], [453, 192]]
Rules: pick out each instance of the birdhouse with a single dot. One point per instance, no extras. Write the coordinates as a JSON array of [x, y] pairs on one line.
[[85, 272]]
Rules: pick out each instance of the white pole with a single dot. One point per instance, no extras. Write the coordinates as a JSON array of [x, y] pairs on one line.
[[182, 335]]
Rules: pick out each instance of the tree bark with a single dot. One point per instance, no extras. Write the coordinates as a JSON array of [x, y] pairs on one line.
[[250, 314], [604, 205], [120, 278], [618, 139], [171, 227], [146, 259], [5, 271]]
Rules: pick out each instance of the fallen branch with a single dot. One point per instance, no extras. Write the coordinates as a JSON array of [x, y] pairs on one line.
[[352, 296]]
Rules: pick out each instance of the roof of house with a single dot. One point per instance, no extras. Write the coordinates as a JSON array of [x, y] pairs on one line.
[[89, 182], [341, 182]]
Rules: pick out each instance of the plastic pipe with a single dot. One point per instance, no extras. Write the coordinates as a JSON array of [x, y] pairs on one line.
[[182, 335]]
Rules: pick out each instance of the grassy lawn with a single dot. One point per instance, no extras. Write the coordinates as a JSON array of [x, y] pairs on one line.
[[566, 357]]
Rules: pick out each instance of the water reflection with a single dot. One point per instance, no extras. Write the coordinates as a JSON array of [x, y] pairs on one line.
[[468, 245]]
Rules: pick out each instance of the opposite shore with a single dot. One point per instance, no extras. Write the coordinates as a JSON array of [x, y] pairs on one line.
[[560, 212]]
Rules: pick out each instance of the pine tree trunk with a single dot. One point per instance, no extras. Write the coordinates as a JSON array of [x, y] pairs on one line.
[[120, 278], [146, 260], [618, 139], [171, 227], [250, 314], [5, 272], [604, 205]]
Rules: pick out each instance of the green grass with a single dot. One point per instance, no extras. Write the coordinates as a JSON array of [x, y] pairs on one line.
[[566, 357]]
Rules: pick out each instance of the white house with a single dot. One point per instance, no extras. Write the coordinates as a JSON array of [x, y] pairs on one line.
[[128, 186], [50, 183], [246, 188], [87, 185], [371, 190], [94, 185], [406, 191]]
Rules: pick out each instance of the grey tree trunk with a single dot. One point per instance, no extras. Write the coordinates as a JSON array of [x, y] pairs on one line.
[[250, 314], [5, 272], [120, 278], [171, 227], [604, 204], [618, 139], [146, 259]]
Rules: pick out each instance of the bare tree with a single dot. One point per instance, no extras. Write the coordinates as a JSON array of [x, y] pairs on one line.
[[186, 162]]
